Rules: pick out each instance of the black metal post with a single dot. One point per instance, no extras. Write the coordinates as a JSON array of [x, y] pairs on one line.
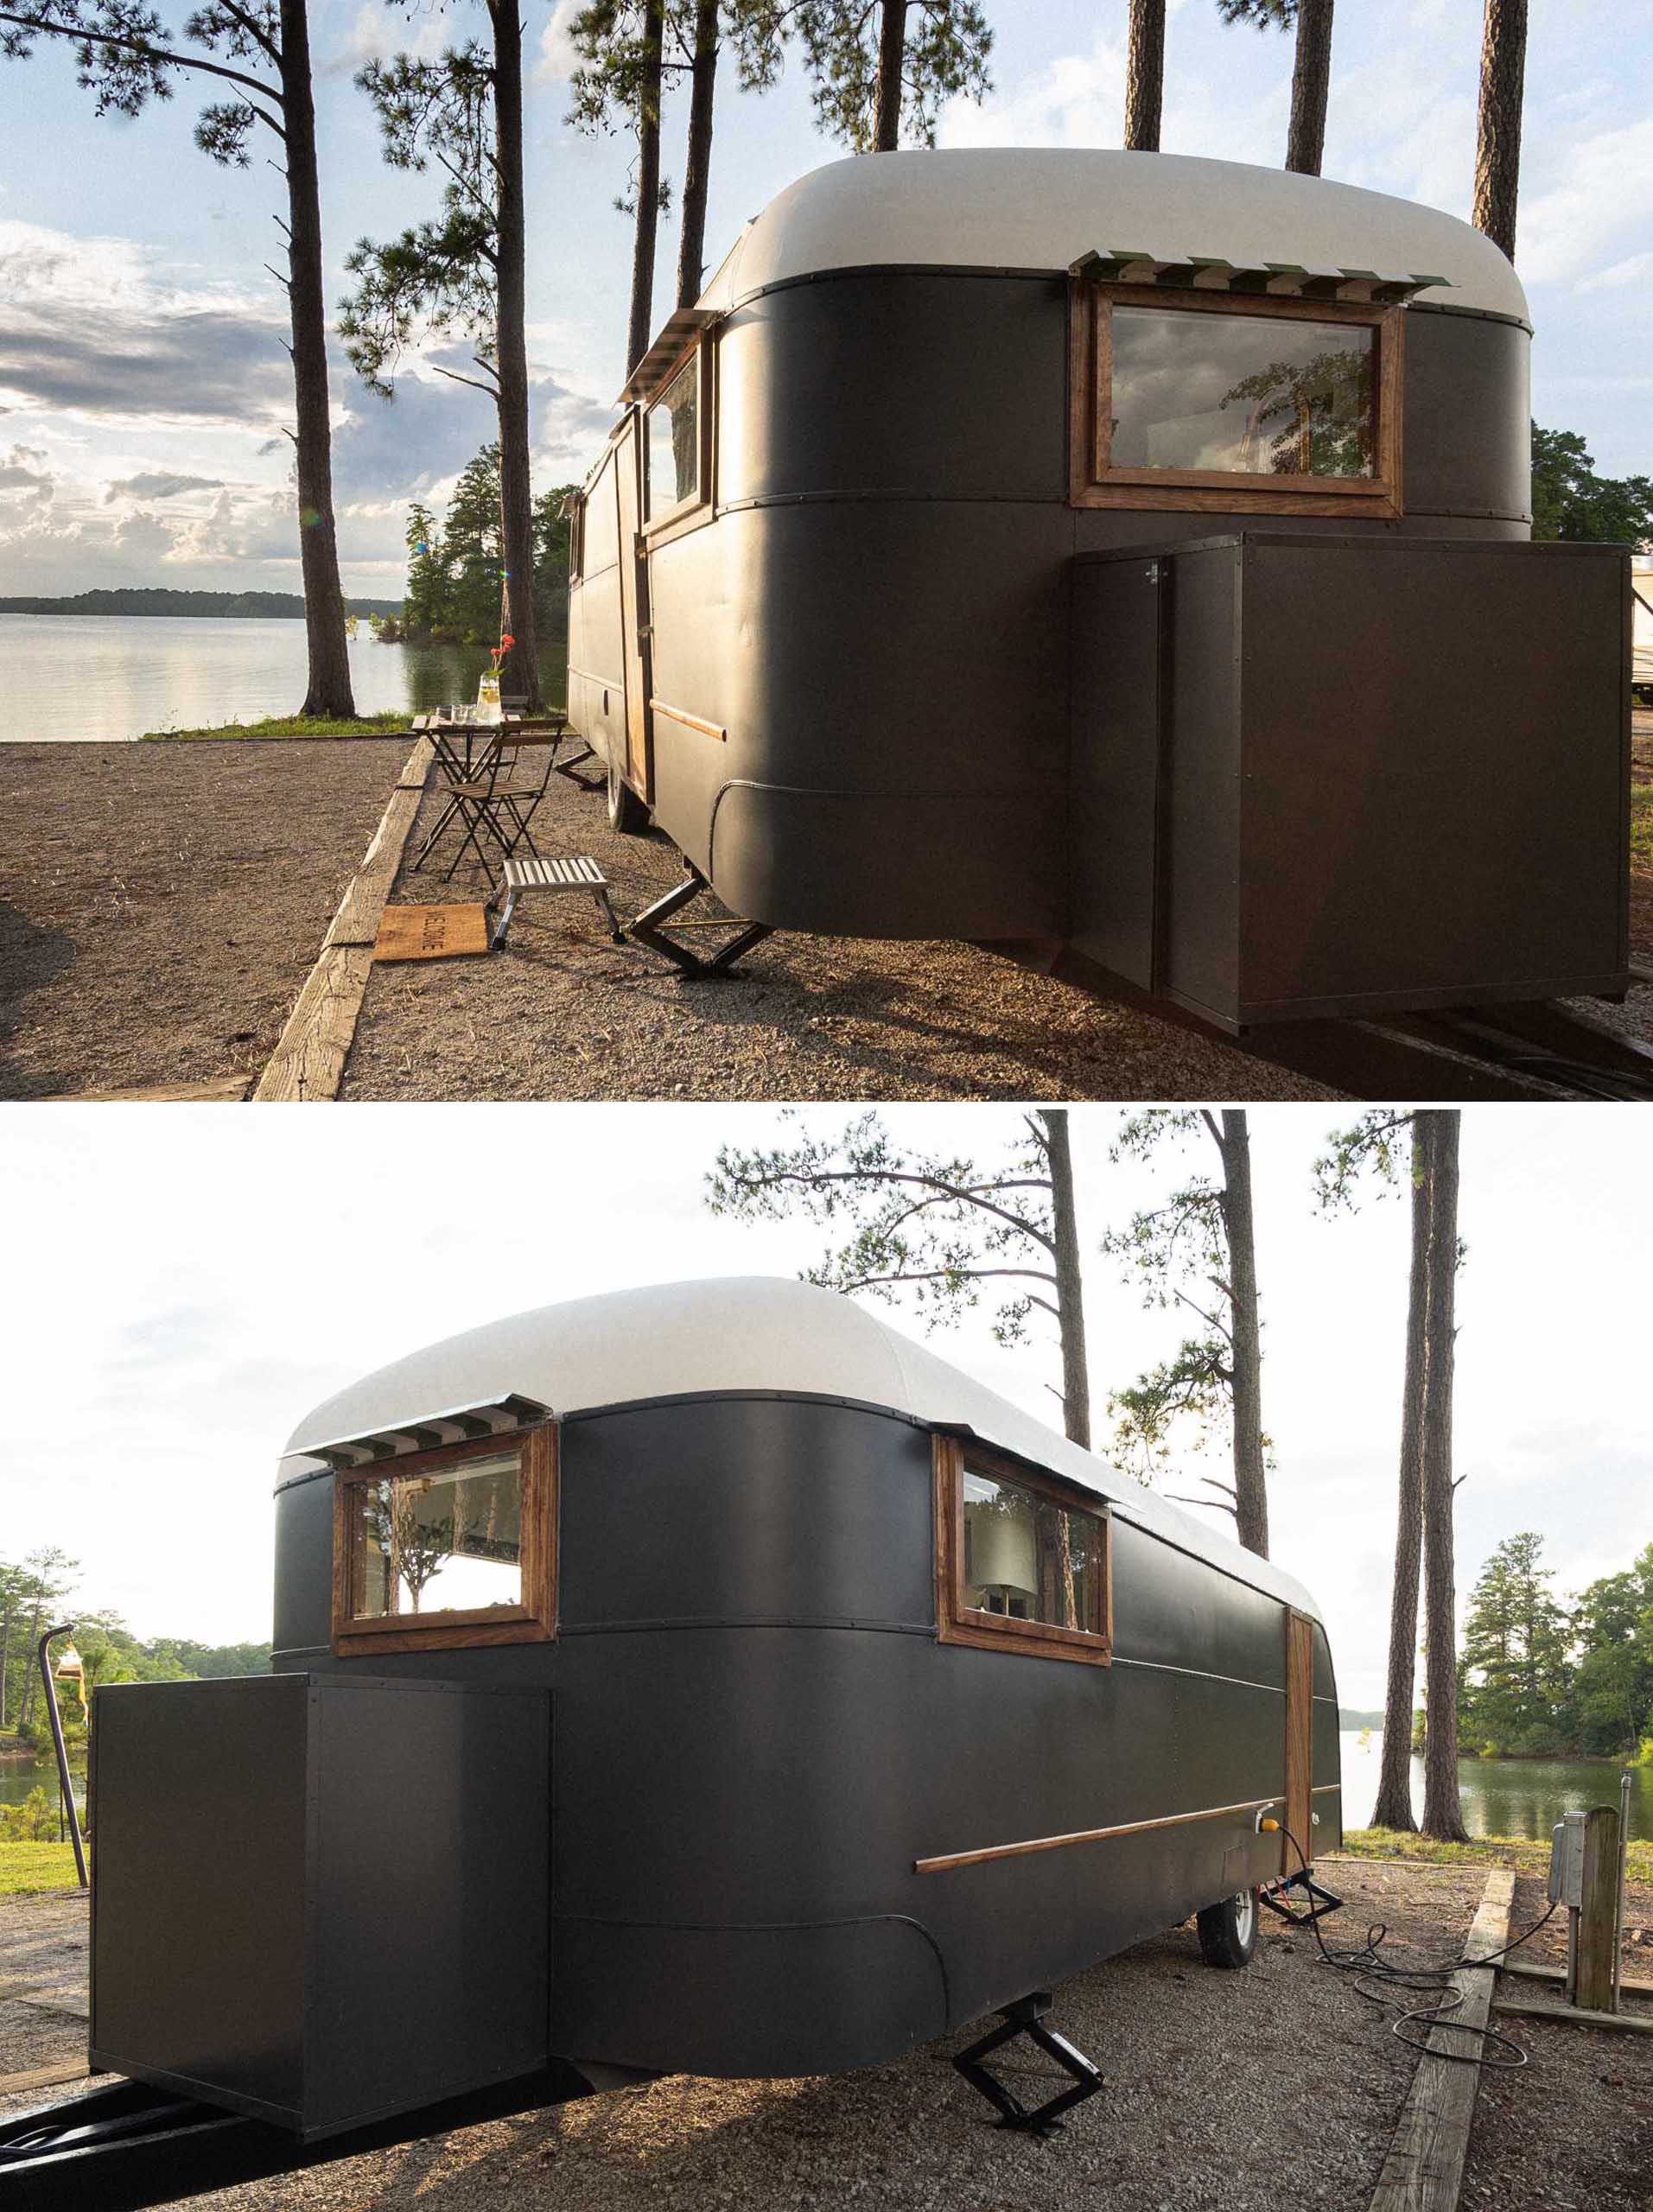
[[66, 1781]]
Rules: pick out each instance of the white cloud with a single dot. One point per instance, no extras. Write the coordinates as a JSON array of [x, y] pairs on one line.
[[558, 55]]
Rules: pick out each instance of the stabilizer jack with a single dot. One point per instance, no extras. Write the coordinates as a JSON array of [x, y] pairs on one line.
[[1022, 2019], [697, 968]]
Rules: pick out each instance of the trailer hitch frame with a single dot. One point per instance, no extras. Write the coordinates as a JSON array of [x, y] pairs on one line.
[[1022, 2019]]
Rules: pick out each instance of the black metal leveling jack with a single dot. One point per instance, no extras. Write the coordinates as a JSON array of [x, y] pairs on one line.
[[697, 968], [1022, 2019]]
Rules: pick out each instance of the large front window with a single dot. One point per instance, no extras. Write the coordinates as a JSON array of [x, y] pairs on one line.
[[451, 1547], [1233, 402], [673, 455]]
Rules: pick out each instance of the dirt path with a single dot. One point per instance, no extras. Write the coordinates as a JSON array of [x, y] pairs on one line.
[[1226, 2093], [161, 905], [563, 1013]]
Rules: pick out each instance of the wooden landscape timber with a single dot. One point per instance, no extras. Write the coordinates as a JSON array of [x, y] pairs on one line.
[[1636, 2023], [1531, 1972], [308, 1064], [1424, 2171]]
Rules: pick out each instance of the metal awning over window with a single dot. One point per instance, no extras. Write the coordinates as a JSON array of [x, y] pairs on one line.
[[500, 1416], [655, 368], [1281, 279]]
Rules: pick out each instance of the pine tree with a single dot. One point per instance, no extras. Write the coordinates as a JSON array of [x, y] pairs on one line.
[[877, 71], [1514, 1663], [461, 275], [1311, 69]]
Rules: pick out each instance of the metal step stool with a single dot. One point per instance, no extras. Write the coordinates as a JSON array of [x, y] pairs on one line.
[[580, 873]]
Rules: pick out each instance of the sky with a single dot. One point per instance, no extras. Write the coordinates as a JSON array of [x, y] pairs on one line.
[[183, 1285], [144, 388]]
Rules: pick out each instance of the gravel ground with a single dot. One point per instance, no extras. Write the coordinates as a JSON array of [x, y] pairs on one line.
[[43, 1984], [564, 1014], [1242, 2092], [161, 905]]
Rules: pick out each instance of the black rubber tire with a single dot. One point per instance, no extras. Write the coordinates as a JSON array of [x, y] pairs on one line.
[[1228, 1932], [627, 812]]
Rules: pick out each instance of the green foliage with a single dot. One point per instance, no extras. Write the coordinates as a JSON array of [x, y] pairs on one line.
[[438, 278], [1571, 502], [613, 88], [1262, 15], [126, 58], [948, 43], [1320, 415], [933, 1226], [35, 1821], [1540, 1679], [1177, 1253], [454, 563]]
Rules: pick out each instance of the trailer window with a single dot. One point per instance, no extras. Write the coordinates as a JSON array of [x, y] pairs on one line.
[[1237, 402], [674, 443], [450, 1546], [1020, 1560]]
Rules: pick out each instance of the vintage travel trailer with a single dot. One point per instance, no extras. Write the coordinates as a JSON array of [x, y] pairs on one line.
[[1123, 553], [697, 1678]]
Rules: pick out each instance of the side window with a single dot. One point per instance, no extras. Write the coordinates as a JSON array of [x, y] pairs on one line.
[[577, 536], [672, 444], [1023, 1562], [447, 1549]]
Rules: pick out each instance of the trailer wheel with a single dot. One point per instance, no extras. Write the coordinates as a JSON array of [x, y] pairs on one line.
[[627, 812], [1228, 1932]]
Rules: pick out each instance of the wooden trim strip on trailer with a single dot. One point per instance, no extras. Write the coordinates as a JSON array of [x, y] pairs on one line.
[[606, 682], [531, 1621], [950, 1860], [688, 721], [957, 1621]]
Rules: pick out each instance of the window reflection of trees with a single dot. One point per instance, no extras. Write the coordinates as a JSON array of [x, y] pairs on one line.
[[1059, 1549], [1328, 410], [407, 1546]]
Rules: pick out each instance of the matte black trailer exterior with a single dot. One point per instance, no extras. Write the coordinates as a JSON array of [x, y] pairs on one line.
[[757, 1734], [320, 1900], [853, 680]]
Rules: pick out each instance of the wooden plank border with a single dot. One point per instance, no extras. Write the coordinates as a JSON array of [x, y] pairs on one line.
[[308, 1063], [1424, 2170]]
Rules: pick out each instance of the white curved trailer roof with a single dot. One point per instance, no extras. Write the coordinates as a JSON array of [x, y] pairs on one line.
[[1040, 208], [734, 1334]]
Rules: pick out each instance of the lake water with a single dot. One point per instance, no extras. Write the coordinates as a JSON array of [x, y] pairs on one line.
[[85, 675], [1523, 1797]]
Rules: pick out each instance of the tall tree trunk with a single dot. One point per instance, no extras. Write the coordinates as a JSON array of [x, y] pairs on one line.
[[1497, 139], [1394, 1806], [1311, 81], [519, 669], [1443, 1817], [887, 94], [1070, 1289], [1251, 1478], [1145, 76], [5, 1661], [697, 168], [31, 1673], [328, 692], [648, 186]]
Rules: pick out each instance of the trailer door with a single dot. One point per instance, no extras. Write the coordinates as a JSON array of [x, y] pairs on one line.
[[1300, 1742], [634, 608]]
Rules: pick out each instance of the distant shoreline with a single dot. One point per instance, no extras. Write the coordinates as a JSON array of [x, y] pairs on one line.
[[210, 606]]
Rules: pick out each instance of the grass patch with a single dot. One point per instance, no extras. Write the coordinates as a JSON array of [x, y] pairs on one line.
[[1640, 826], [1485, 1851], [285, 726], [27, 1868]]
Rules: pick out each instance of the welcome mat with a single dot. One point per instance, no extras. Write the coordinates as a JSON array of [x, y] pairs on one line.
[[431, 932]]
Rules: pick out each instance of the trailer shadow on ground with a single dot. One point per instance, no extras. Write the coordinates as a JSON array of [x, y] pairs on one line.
[[561, 1013], [1241, 2091]]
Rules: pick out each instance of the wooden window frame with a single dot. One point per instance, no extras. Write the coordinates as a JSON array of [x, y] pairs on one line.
[[576, 536], [1094, 482], [533, 1621], [957, 1623], [695, 510]]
